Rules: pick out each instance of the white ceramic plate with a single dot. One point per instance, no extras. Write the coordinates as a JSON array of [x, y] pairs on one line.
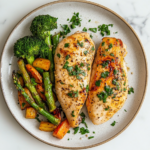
[[135, 60]]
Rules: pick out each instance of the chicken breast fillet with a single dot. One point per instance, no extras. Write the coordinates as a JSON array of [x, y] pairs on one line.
[[73, 59], [109, 83]]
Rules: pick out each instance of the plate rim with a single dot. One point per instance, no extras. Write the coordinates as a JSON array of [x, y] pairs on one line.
[[109, 10]]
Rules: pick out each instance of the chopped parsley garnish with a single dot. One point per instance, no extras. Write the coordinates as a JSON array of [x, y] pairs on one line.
[[111, 54], [68, 131], [83, 121], [82, 65], [73, 94], [114, 81], [115, 71], [84, 29], [9, 64], [105, 74], [93, 29], [91, 36], [68, 19], [61, 82], [108, 90], [89, 20], [81, 86], [106, 50], [37, 118], [107, 108], [124, 89], [76, 130], [110, 46], [84, 131], [66, 45], [72, 114], [33, 81], [103, 96], [67, 57], [87, 88], [131, 90], [90, 137], [66, 65], [113, 124], [70, 85], [66, 30], [82, 115], [98, 82], [23, 104], [125, 110], [80, 44], [92, 48], [115, 32], [76, 20], [105, 64], [104, 29], [88, 68], [104, 55], [112, 60], [58, 55], [124, 83], [93, 132], [85, 52], [68, 139], [103, 43]]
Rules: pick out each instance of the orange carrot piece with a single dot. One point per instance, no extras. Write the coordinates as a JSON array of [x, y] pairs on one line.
[[57, 113], [23, 103], [61, 129], [41, 91], [42, 63], [47, 126], [34, 73], [29, 94], [21, 81]]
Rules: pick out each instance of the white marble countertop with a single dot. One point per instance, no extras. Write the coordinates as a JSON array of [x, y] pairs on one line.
[[136, 136]]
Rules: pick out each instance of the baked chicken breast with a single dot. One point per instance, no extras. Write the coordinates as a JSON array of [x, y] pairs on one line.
[[73, 59], [109, 83]]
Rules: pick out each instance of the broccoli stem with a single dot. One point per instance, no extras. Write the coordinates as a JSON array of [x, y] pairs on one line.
[[50, 117], [30, 59], [48, 92], [55, 40], [28, 83]]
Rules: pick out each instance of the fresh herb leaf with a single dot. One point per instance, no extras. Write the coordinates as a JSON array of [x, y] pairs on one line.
[[72, 114], [23, 104], [76, 20], [87, 88], [89, 20], [83, 121], [98, 82], [113, 124], [106, 50], [82, 65], [82, 115], [76, 130], [84, 29], [80, 44], [73, 94], [61, 82], [58, 55], [85, 52], [67, 57], [90, 137], [68, 19], [66, 45], [108, 90], [93, 29], [68, 131], [33, 81], [104, 55], [124, 83], [93, 132], [66, 30], [125, 110], [84, 131], [115, 71], [66, 65], [105, 74], [111, 54], [91, 36], [110, 46], [131, 90], [124, 89], [105, 63], [107, 108], [103, 96], [104, 29], [103, 43], [92, 48], [114, 81], [37, 118]]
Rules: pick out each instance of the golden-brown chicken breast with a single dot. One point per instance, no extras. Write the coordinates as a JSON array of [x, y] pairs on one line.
[[109, 83], [73, 59]]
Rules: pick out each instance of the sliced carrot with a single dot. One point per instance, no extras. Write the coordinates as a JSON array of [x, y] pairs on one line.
[[42, 63], [34, 73], [41, 91], [21, 81], [61, 129], [23, 103], [57, 113]]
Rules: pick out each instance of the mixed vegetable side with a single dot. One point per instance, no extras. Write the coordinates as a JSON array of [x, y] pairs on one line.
[[35, 78]]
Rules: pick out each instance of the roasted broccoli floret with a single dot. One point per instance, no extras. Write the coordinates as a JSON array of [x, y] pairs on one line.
[[29, 46], [42, 25]]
